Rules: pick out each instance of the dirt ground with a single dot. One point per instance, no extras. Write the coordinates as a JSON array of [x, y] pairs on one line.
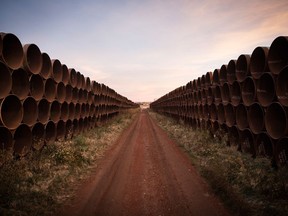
[[144, 173]]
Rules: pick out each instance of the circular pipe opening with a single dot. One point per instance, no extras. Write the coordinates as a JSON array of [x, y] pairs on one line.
[[11, 111], [71, 111], [83, 84], [6, 139], [216, 74], [69, 93], [225, 93], [276, 120], [236, 93], [22, 140], [217, 95], [43, 111], [210, 98], [50, 90], [46, 69], [213, 112], [30, 111], [77, 111], [55, 111], [255, 117], [50, 132], [221, 113], [69, 129], [75, 97], [20, 83], [36, 87], [12, 51], [266, 89], [32, 58], [264, 145], [208, 79], [72, 77], [65, 74], [56, 70], [242, 67], [231, 71], [203, 81], [248, 91], [64, 111], [83, 110], [277, 55], [79, 80], [61, 92], [5, 81], [229, 115], [258, 62], [223, 74], [241, 117], [87, 84], [38, 132], [60, 130], [282, 87]]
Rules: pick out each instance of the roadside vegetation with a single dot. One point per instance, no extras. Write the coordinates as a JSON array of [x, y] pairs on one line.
[[247, 186], [41, 182]]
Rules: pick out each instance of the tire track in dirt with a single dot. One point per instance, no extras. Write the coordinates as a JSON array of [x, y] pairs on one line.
[[145, 173]]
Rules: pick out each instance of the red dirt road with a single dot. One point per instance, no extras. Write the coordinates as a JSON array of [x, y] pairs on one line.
[[145, 173]]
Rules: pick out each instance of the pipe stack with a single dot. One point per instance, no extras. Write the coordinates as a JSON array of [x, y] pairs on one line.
[[247, 98], [42, 99]]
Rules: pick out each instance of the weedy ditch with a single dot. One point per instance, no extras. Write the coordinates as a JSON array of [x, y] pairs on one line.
[[247, 186]]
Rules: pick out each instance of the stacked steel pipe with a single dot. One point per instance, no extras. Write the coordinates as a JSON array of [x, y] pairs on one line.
[[248, 99], [42, 100]]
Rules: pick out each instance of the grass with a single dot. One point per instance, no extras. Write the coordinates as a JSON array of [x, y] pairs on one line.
[[247, 186], [42, 181]]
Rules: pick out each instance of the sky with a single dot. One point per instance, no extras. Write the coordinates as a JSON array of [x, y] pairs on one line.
[[144, 49]]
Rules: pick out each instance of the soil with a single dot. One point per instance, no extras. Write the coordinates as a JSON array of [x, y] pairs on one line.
[[144, 173]]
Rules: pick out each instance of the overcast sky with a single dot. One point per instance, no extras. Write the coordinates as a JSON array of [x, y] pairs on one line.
[[145, 48]]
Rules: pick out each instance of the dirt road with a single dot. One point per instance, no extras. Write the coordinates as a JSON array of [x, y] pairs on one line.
[[145, 173]]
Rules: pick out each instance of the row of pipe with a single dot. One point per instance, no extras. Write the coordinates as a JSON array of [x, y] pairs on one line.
[[42, 100], [246, 98]]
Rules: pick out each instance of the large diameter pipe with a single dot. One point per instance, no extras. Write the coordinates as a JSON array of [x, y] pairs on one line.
[[32, 61], [79, 80], [55, 111], [216, 74], [217, 95], [12, 51], [71, 113], [6, 139], [5, 81], [277, 55], [56, 70], [236, 96], [264, 145], [213, 112], [38, 133], [258, 62], [60, 92], [50, 132], [60, 130], [248, 91], [50, 90], [87, 83], [208, 79], [221, 113], [64, 111], [30, 111], [276, 121], [43, 111], [281, 87], [46, 69], [20, 83], [266, 89], [241, 117], [242, 67], [281, 151], [229, 111], [65, 74], [11, 112], [225, 93], [247, 142], [231, 71], [203, 81], [72, 77], [68, 93], [77, 111], [69, 129], [209, 94], [37, 87], [255, 117], [223, 74], [22, 140]]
